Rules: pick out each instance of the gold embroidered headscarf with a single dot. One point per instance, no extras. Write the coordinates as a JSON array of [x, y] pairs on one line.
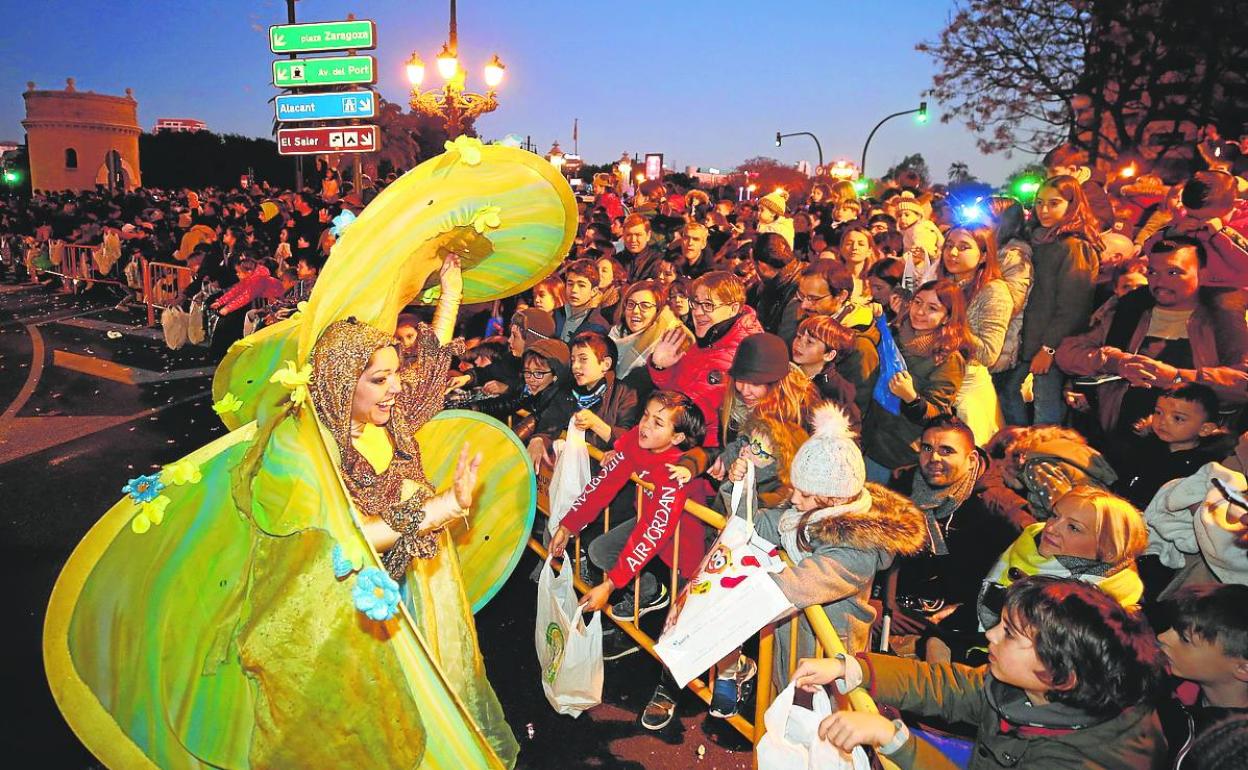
[[339, 359]]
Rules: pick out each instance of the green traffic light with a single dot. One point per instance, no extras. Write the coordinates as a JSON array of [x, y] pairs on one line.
[[860, 186], [1026, 188], [11, 177], [922, 116]]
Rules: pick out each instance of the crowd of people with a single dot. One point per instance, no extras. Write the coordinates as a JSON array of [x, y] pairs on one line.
[[1007, 436], [251, 253], [1011, 430]]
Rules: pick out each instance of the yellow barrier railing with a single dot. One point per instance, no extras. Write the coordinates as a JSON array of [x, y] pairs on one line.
[[828, 642]]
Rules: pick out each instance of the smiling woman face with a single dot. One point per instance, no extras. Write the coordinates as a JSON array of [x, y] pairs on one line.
[[640, 310], [376, 388]]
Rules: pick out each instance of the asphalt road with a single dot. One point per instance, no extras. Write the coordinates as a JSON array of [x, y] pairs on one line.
[[90, 399]]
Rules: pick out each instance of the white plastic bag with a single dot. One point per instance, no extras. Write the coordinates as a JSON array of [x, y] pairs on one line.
[[195, 333], [570, 475], [792, 738], [173, 323], [568, 649], [729, 598], [251, 321]]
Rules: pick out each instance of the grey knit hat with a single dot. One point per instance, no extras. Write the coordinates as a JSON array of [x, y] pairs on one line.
[[830, 463]]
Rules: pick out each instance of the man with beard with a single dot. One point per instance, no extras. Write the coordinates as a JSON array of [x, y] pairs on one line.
[[1160, 337], [964, 537]]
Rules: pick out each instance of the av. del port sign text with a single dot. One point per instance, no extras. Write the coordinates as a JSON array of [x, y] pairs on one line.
[[330, 71]]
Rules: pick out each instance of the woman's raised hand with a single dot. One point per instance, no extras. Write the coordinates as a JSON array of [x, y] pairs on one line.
[[451, 275], [902, 386], [466, 478], [669, 349]]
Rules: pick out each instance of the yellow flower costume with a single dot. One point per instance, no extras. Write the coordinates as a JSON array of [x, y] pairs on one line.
[[225, 634]]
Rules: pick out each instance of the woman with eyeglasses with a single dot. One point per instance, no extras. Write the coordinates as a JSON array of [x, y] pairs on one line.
[[721, 321], [644, 318]]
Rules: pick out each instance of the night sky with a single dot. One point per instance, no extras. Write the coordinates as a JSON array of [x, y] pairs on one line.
[[706, 82]]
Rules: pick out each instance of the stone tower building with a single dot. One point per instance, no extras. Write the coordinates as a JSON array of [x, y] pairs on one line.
[[78, 140]]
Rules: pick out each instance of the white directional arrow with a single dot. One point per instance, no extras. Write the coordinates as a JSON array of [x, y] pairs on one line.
[[366, 138], [366, 104], [279, 40]]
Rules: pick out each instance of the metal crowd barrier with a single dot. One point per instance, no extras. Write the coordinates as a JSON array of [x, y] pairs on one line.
[[828, 642], [77, 264], [163, 284]]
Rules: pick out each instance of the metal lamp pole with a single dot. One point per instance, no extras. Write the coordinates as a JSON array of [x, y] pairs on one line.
[[452, 103], [922, 111], [290, 19], [819, 147]]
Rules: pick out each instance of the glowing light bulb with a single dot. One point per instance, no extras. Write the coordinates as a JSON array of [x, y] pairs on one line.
[[415, 69], [494, 72], [448, 65]]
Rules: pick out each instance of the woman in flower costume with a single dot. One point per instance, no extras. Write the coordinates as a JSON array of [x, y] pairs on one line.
[[267, 602]]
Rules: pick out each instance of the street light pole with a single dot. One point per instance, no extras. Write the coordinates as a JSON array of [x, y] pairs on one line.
[[921, 110], [290, 19], [819, 147], [452, 103]]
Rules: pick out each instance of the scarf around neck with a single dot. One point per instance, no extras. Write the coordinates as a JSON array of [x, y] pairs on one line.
[[920, 344], [591, 398], [939, 504], [791, 517], [717, 332]]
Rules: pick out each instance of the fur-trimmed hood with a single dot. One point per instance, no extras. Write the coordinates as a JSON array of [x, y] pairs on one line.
[[892, 524]]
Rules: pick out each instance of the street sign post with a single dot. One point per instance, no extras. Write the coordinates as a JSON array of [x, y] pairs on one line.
[[355, 35], [325, 139], [332, 71], [293, 108]]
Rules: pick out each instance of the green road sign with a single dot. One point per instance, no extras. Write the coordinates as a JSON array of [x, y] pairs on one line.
[[334, 71], [360, 34]]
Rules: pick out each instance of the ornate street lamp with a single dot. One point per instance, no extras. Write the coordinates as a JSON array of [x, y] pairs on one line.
[[451, 102]]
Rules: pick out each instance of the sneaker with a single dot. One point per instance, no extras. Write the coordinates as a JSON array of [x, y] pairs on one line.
[[616, 644], [659, 711], [623, 609], [732, 687]]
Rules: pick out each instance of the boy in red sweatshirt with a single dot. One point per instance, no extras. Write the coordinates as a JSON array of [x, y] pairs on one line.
[[671, 424]]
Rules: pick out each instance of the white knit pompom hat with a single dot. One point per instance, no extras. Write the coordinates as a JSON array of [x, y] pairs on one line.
[[830, 463]]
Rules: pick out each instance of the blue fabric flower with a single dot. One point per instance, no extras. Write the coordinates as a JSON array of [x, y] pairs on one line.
[[376, 594], [341, 222], [144, 489], [342, 565]]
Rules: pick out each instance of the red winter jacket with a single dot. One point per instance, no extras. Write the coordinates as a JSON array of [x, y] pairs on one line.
[[702, 372], [661, 509]]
